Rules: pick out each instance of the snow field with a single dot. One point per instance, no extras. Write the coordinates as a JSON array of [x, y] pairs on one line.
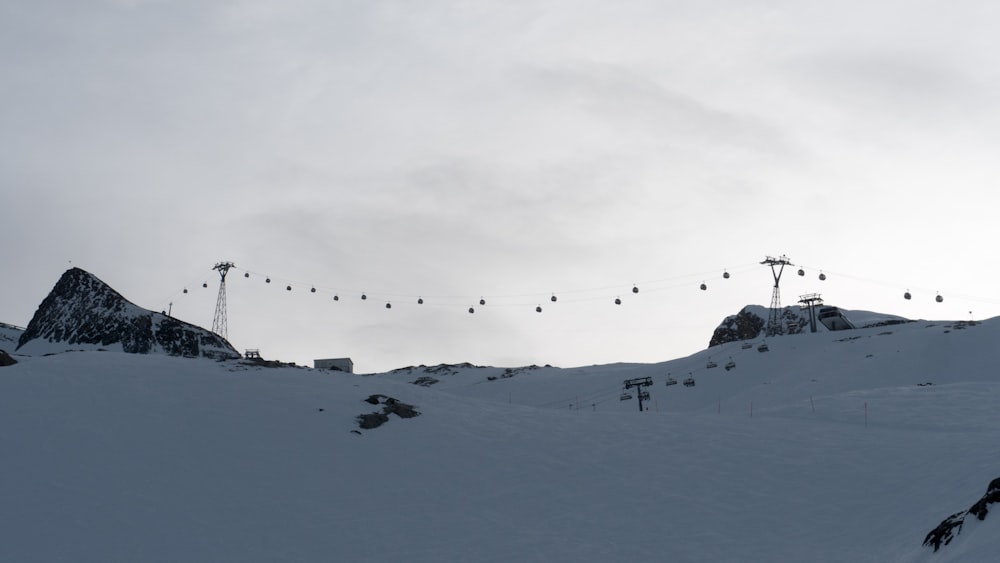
[[114, 457]]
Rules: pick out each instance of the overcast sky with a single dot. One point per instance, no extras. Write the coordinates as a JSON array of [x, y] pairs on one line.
[[458, 150]]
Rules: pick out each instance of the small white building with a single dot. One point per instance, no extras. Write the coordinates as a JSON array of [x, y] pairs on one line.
[[338, 364]]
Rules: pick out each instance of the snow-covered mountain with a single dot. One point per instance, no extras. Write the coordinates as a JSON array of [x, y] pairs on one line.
[[850, 445], [751, 322], [83, 313], [9, 335]]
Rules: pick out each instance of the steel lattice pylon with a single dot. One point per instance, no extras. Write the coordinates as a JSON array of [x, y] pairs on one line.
[[774, 318], [220, 324]]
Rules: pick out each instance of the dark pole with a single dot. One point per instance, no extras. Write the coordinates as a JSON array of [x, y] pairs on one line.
[[638, 383]]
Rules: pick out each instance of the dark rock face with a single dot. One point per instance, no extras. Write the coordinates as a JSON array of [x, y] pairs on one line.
[[6, 360], [952, 525], [744, 325], [83, 310], [389, 406], [751, 323]]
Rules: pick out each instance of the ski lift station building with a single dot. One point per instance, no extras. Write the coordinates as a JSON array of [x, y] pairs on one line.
[[336, 364]]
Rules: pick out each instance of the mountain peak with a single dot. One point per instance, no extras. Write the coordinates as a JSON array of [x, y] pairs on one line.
[[83, 311], [751, 321]]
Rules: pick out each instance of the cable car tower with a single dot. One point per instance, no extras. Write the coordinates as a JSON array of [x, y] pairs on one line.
[[774, 320], [220, 325]]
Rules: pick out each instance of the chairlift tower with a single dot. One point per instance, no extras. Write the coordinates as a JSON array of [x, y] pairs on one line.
[[220, 325], [777, 267], [811, 300], [639, 382]]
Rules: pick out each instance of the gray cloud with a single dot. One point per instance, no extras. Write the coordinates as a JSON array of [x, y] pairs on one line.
[[514, 148]]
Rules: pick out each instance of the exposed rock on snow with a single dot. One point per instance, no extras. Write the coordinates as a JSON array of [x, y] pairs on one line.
[[745, 325], [440, 369], [952, 525], [83, 310], [751, 321], [6, 360], [389, 406]]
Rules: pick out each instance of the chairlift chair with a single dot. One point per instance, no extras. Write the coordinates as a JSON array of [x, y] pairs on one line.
[[671, 381], [625, 397], [730, 364], [644, 395], [711, 365], [689, 382], [746, 346], [763, 347]]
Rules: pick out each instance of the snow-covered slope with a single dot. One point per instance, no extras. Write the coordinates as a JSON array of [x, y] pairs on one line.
[[83, 313], [9, 335], [848, 455]]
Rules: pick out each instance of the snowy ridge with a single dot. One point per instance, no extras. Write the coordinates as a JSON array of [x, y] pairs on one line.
[[83, 313], [751, 321], [846, 446], [9, 335]]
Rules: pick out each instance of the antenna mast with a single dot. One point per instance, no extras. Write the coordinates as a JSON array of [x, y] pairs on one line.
[[220, 325], [774, 321]]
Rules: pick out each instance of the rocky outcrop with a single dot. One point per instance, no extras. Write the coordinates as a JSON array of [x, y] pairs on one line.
[[6, 360], [952, 525], [389, 406], [745, 325], [81, 311]]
